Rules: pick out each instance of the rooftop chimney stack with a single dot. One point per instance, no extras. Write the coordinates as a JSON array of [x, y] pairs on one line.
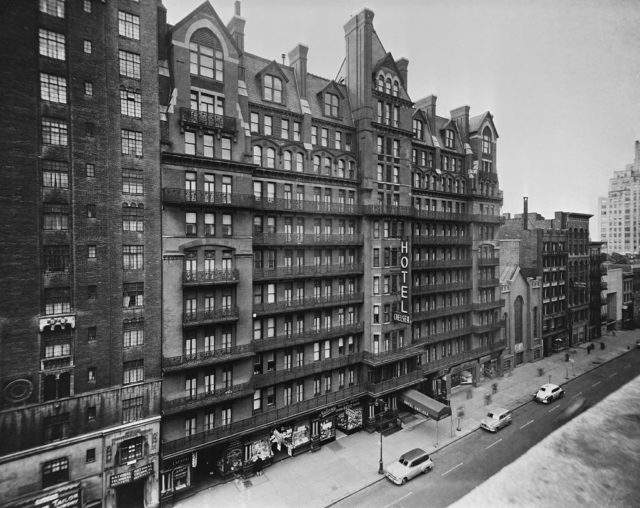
[[525, 213], [298, 60], [460, 117], [428, 105], [637, 152], [236, 27], [403, 65]]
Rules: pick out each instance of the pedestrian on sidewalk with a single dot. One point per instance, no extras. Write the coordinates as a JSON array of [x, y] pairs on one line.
[[494, 387]]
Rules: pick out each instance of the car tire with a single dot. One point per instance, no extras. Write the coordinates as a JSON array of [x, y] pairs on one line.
[[404, 480]]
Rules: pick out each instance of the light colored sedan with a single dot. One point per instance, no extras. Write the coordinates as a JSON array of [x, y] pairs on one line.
[[496, 419], [548, 393], [409, 465]]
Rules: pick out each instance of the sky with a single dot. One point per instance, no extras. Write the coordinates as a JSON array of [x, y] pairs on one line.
[[560, 77]]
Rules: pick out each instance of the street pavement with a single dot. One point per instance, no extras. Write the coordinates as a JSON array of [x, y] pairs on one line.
[[350, 463]]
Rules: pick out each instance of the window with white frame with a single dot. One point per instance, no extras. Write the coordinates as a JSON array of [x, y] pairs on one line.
[[331, 105], [131, 142], [272, 89], [51, 44], [133, 372], [55, 174], [206, 59], [133, 333], [54, 132], [55, 471], [52, 7], [131, 103], [132, 257], [53, 88], [128, 25], [129, 64]]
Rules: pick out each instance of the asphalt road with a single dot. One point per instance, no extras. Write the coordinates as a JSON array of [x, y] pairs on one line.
[[468, 462]]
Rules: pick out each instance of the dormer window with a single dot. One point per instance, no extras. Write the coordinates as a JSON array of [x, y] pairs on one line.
[[486, 141], [418, 129], [387, 87], [448, 141], [272, 89], [205, 55], [331, 105], [380, 83]]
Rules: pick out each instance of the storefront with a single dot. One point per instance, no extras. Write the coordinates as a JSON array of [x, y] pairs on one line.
[[176, 475], [67, 496], [130, 486], [324, 426], [349, 418]]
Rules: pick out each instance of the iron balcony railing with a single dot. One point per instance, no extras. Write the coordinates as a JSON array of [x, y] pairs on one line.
[[306, 239], [376, 389], [210, 316], [313, 301], [389, 356], [490, 327], [488, 261], [442, 216], [452, 286], [292, 339], [280, 376], [207, 120], [443, 335], [450, 361], [306, 270], [202, 358], [488, 305], [488, 282], [390, 210], [177, 196], [442, 240], [265, 419], [441, 263], [294, 205], [196, 400], [210, 276], [442, 311]]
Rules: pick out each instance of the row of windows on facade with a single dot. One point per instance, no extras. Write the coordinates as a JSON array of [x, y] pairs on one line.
[[58, 300], [271, 259], [295, 161], [449, 140], [56, 174], [429, 182], [266, 293], [290, 130], [271, 191]]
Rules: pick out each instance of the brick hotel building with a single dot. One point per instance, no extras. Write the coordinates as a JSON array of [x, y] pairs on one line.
[[288, 254]]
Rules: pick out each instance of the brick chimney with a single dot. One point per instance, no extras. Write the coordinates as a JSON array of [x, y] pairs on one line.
[[637, 159], [460, 117], [428, 105], [403, 64], [359, 35], [236, 27], [525, 213], [298, 60]]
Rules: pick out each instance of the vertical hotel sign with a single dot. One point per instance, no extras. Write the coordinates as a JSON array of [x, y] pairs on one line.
[[402, 316]]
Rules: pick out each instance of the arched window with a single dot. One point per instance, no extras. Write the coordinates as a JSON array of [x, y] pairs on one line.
[[316, 164], [257, 155], [272, 89], [517, 320], [299, 162], [271, 158], [388, 86], [341, 167], [288, 159], [205, 55], [381, 83], [396, 88], [486, 141]]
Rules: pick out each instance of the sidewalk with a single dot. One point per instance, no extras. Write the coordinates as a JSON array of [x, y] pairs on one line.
[[350, 463]]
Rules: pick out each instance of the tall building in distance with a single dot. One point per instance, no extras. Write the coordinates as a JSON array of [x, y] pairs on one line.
[[619, 211], [328, 248], [80, 369]]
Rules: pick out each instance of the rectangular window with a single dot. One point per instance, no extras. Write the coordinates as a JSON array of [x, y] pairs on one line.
[[225, 148], [132, 257], [52, 44], [133, 372], [133, 295], [132, 181], [131, 449], [189, 142], [129, 64], [55, 471], [268, 125], [56, 217], [284, 129], [90, 170], [87, 6], [54, 132], [296, 131], [53, 88], [227, 225], [87, 47], [133, 218], [257, 400], [56, 258], [133, 333], [128, 25], [52, 7], [131, 103], [90, 455], [255, 122], [131, 143], [324, 137], [88, 88], [55, 174]]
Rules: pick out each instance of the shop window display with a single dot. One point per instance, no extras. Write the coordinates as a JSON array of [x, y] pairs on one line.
[[349, 419]]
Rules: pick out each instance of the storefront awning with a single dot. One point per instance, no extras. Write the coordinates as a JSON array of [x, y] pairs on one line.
[[425, 405]]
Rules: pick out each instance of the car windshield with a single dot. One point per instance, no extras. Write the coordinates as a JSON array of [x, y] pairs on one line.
[[404, 462]]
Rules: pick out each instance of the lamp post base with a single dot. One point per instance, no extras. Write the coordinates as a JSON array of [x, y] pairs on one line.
[[380, 468]]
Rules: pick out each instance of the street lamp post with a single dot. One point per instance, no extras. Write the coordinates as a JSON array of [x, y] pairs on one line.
[[381, 404]]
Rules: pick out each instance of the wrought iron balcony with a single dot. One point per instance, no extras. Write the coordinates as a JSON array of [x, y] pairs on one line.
[[294, 205], [390, 356], [292, 339], [441, 263], [389, 210], [483, 283], [210, 277], [209, 316], [280, 376], [205, 120], [58, 362], [444, 335], [442, 240], [203, 358], [488, 261], [478, 306], [319, 301], [306, 239], [188, 402], [452, 286], [306, 271], [450, 361], [177, 196], [442, 216], [491, 327], [441, 311], [263, 420], [379, 388]]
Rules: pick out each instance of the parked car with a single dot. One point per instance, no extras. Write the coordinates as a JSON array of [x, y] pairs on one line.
[[548, 393], [496, 419], [409, 465]]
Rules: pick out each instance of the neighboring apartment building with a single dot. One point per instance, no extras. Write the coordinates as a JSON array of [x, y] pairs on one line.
[[619, 211], [542, 251], [597, 299], [80, 339], [327, 246], [522, 315]]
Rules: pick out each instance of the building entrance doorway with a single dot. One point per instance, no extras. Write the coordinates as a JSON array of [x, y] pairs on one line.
[[131, 495]]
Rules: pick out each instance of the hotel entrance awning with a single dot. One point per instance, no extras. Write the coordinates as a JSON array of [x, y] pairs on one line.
[[425, 405]]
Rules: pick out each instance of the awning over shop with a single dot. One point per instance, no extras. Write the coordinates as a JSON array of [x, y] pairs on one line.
[[425, 405]]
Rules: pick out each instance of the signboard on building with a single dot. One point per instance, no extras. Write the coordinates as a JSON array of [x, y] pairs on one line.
[[403, 316], [62, 498], [131, 476]]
